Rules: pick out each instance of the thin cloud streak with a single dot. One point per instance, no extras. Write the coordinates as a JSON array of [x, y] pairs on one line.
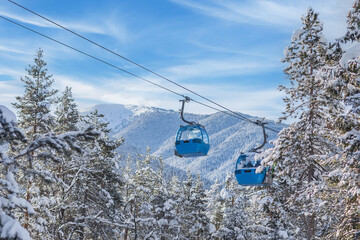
[[274, 13], [251, 12], [221, 67], [107, 27], [28, 20]]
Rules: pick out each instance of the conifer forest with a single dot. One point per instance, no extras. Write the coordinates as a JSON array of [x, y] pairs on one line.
[[62, 176]]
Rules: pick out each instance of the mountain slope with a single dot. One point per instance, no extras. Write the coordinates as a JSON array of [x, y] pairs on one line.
[[156, 128]]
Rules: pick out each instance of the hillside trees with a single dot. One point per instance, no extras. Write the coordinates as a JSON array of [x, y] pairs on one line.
[[232, 219], [75, 183], [35, 118], [10, 227], [89, 198], [144, 190], [11, 201], [343, 84], [300, 147]]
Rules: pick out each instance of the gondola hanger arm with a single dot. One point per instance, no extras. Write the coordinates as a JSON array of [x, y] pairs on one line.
[[186, 99]]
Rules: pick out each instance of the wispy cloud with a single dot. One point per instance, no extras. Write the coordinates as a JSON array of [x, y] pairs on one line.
[[116, 89], [130, 91], [27, 19], [106, 26], [10, 49], [252, 12], [274, 12], [223, 67]]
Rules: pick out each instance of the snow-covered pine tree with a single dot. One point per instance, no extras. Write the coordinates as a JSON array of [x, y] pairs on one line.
[[35, 118], [67, 118], [143, 190], [343, 85], [34, 106], [67, 114], [350, 157], [215, 206], [236, 220], [353, 24], [175, 190], [47, 143], [128, 189], [192, 210], [164, 207], [201, 226], [301, 146], [10, 227], [91, 208]]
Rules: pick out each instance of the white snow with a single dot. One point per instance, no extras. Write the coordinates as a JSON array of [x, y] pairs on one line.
[[7, 114], [296, 34], [335, 173], [323, 38], [225, 194], [283, 234], [351, 53], [12, 229], [286, 52]]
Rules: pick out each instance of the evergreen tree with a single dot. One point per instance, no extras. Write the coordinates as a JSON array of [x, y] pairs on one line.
[[342, 84], [67, 118], [10, 227], [176, 192], [215, 205], [192, 210], [34, 106], [46, 144], [145, 200], [35, 118], [301, 146], [92, 201], [236, 221], [164, 206], [67, 115], [353, 24]]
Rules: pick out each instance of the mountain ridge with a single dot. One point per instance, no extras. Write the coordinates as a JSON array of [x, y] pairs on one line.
[[144, 127]]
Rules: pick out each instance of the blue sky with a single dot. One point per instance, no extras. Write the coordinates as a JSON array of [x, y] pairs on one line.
[[226, 50]]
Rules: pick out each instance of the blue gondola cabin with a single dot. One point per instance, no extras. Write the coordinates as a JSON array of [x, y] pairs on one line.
[[245, 172], [192, 141]]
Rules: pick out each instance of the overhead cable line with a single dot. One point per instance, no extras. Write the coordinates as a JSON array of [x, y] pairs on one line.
[[146, 69], [114, 66], [129, 60]]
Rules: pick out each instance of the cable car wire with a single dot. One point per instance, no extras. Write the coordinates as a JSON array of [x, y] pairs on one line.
[[146, 69], [112, 65]]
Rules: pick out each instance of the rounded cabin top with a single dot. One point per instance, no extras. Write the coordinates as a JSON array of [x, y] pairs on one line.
[[189, 132]]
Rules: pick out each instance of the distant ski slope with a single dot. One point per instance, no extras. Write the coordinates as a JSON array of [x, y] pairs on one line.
[[156, 128]]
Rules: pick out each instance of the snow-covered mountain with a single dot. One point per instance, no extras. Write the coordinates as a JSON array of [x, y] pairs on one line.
[[156, 128]]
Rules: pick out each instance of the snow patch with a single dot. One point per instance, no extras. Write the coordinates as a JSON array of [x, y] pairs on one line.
[[351, 53], [7, 114], [296, 34], [283, 234]]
